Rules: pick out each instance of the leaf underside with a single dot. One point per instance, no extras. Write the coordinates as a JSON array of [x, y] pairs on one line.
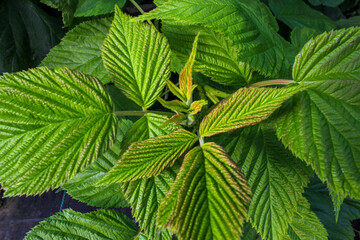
[[137, 57], [209, 197], [52, 124], [71, 225]]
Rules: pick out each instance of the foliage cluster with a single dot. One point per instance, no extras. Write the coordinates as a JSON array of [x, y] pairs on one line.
[[213, 126]]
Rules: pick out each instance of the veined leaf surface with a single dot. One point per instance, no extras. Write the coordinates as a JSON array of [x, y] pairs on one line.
[[249, 24], [145, 195], [80, 49], [137, 56], [276, 177], [245, 107], [53, 123], [83, 186], [70, 225], [321, 126], [334, 55], [209, 197], [296, 13], [150, 157], [305, 225], [215, 55]]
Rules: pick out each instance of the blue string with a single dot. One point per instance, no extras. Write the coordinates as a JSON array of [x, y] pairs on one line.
[[62, 202]]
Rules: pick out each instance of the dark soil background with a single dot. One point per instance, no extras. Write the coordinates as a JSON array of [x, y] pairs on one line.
[[19, 214]]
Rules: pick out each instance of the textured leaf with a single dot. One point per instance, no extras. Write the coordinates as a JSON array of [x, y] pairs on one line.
[[321, 204], [329, 3], [305, 225], [276, 177], [71, 225], [248, 24], [215, 56], [245, 107], [150, 157], [67, 7], [146, 194], [86, 8], [82, 186], [296, 13], [300, 36], [321, 126], [80, 49], [27, 34], [138, 59], [209, 197], [348, 22], [334, 55], [52, 124]]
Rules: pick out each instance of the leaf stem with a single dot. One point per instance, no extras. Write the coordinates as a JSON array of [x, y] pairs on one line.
[[272, 82], [141, 113], [140, 10]]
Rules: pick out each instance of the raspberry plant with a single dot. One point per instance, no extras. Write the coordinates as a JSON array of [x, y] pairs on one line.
[[224, 152]]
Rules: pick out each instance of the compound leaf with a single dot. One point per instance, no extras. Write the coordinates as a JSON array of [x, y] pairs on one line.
[[321, 126], [52, 124], [209, 197], [334, 55], [70, 225], [83, 186], [80, 49], [245, 107], [276, 177], [249, 24], [137, 56], [150, 157], [296, 13]]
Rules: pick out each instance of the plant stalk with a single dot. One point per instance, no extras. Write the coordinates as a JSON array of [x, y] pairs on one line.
[[141, 113], [140, 10], [272, 82]]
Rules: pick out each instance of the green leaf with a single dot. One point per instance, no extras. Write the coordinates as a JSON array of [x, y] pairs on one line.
[[245, 107], [321, 204], [146, 194], [209, 197], [52, 124], [215, 56], [249, 24], [321, 126], [86, 8], [329, 3], [276, 177], [27, 34], [138, 59], [67, 7], [300, 36], [80, 49], [150, 157], [71, 225], [296, 13], [305, 225], [82, 186], [348, 22], [334, 55]]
